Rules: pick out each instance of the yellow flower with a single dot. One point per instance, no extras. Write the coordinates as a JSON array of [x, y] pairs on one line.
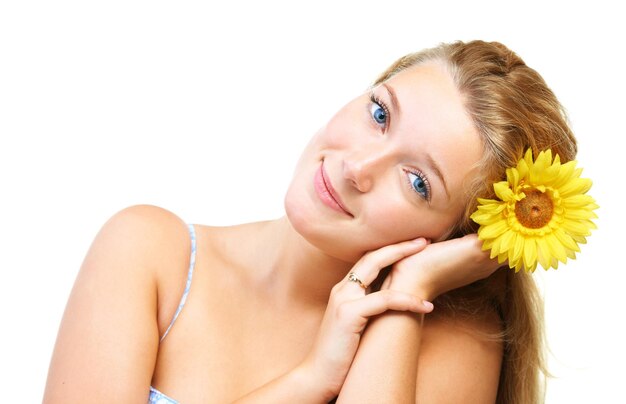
[[542, 215]]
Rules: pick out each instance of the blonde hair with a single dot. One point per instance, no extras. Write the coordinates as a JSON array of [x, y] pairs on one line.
[[513, 109]]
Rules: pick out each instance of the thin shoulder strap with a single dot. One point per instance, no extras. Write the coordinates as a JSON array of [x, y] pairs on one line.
[[192, 262]]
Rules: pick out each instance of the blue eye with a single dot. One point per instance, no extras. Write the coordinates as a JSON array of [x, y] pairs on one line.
[[419, 184], [378, 113]]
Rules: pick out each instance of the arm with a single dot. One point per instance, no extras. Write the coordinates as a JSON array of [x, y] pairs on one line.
[[452, 356], [451, 365], [385, 367], [454, 365], [320, 376], [108, 339], [295, 386]]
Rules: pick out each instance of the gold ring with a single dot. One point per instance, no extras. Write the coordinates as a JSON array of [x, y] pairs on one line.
[[353, 278]]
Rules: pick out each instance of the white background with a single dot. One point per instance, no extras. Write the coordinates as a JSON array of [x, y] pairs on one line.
[[203, 108]]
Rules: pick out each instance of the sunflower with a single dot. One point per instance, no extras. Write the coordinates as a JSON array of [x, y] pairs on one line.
[[542, 215]]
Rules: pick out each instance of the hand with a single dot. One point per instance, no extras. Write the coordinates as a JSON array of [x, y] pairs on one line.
[[441, 267], [348, 311]]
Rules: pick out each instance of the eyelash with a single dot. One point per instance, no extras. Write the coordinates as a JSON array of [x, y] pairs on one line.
[[375, 100], [423, 177]]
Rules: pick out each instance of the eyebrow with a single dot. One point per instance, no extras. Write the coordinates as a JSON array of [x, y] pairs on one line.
[[435, 168], [392, 95]]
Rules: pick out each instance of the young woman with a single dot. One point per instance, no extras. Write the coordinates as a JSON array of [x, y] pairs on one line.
[[333, 300]]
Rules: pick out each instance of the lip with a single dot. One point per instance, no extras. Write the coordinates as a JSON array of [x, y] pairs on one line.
[[327, 193]]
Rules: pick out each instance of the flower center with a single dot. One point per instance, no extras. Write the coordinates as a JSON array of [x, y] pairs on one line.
[[535, 210]]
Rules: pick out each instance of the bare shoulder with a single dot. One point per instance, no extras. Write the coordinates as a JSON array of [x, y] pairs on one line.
[[108, 339], [143, 232], [460, 360], [152, 245]]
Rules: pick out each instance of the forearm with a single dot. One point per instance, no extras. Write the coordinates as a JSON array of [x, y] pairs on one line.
[[295, 386], [321, 376], [385, 367]]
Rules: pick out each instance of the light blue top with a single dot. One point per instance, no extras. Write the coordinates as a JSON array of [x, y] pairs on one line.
[[156, 397]]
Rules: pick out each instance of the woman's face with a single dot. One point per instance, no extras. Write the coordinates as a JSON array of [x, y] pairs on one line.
[[389, 166]]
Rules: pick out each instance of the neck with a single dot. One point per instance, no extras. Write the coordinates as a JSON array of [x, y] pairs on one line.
[[292, 268]]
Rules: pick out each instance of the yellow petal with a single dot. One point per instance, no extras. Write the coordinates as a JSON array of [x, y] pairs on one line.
[[566, 173], [503, 191], [515, 254], [555, 263], [485, 218], [492, 230], [508, 240], [551, 173], [532, 267], [571, 254], [522, 168], [502, 257], [484, 201], [530, 253], [543, 252], [577, 202], [574, 228], [528, 157], [487, 244], [567, 241], [495, 248], [556, 248], [518, 265], [575, 186], [492, 207], [512, 177], [538, 168], [579, 214], [558, 240]]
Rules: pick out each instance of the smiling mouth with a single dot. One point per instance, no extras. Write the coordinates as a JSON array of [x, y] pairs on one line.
[[327, 193]]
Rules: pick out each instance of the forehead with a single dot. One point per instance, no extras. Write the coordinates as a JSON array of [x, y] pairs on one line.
[[431, 100], [432, 119]]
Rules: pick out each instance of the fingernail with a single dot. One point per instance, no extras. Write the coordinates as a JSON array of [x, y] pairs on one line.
[[428, 305], [420, 240]]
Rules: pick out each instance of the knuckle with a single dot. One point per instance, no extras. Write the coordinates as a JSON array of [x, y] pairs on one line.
[[336, 298], [368, 259], [481, 257], [343, 311], [387, 296], [335, 289]]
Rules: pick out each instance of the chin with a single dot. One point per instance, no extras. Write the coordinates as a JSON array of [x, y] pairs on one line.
[[326, 238], [296, 212]]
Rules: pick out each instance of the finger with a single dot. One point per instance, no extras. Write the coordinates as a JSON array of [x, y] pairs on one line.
[[368, 267], [384, 300], [469, 253], [481, 257], [352, 277]]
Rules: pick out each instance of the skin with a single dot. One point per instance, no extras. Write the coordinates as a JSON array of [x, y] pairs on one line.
[[279, 289], [367, 162]]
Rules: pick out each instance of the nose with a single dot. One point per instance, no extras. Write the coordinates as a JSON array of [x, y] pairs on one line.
[[363, 165]]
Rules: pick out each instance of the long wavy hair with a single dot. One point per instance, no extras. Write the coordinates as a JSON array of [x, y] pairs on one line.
[[513, 109]]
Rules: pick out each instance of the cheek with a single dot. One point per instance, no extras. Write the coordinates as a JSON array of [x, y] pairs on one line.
[[299, 199], [295, 207], [343, 130], [399, 223], [303, 214]]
